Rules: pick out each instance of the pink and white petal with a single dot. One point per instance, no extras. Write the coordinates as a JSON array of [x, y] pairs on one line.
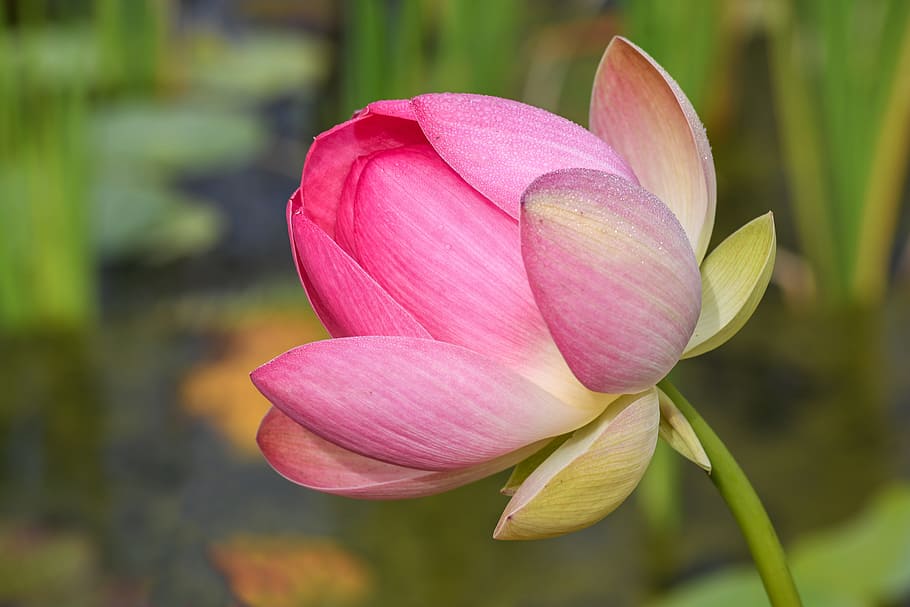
[[417, 403], [379, 126], [588, 476], [639, 109], [306, 459], [346, 299], [613, 275], [447, 255], [500, 146]]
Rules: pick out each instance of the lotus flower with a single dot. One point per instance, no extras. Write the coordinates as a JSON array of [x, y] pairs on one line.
[[506, 287]]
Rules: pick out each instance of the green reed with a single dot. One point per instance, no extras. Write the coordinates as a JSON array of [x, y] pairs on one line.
[[843, 105]]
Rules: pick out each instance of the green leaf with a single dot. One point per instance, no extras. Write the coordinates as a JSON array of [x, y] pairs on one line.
[[868, 558], [863, 562]]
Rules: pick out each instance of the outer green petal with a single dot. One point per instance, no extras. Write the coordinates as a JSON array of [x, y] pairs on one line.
[[589, 475], [733, 279], [676, 431]]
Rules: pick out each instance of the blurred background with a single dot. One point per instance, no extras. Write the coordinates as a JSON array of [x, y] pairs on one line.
[[147, 150]]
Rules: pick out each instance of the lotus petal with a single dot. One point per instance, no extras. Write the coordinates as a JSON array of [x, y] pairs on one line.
[[379, 126], [588, 476], [306, 459], [446, 255], [528, 465], [733, 280], [346, 299], [500, 146], [613, 275], [678, 433], [417, 403], [639, 109]]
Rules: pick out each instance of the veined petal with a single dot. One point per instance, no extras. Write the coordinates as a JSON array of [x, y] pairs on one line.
[[733, 279], [447, 255], [417, 403], [346, 299], [500, 146], [379, 126], [306, 459], [640, 110], [588, 476], [678, 433], [613, 275], [344, 217]]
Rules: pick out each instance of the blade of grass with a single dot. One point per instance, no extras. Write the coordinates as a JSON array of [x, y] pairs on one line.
[[802, 143], [888, 170], [364, 54]]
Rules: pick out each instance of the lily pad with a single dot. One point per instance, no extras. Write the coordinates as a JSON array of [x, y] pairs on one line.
[[54, 56], [175, 138], [861, 563], [260, 66], [144, 219]]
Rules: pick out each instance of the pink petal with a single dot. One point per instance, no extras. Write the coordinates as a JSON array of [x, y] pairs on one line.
[[417, 403], [640, 110], [613, 274], [500, 146], [397, 108], [447, 255], [304, 458], [344, 218], [346, 299], [379, 126]]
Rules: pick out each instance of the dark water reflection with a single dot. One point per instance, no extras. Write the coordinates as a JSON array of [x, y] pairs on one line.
[[95, 442]]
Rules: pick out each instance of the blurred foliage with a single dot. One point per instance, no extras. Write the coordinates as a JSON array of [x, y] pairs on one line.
[[863, 563], [97, 123], [42, 568], [843, 103], [258, 66], [401, 49]]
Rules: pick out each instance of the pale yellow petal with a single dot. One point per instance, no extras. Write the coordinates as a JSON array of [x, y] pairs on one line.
[[589, 475], [676, 431], [733, 279]]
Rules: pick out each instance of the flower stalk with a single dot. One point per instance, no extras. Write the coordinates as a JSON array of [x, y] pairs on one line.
[[745, 506]]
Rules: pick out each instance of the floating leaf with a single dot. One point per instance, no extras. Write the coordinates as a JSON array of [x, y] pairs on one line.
[[184, 137], [863, 562], [142, 218], [260, 65], [291, 572]]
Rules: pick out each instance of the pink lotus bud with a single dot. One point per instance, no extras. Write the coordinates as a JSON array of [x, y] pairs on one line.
[[495, 276]]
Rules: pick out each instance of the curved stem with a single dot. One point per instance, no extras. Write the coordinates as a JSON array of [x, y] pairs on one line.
[[745, 505]]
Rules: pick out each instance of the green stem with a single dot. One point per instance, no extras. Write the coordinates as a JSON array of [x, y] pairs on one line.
[[743, 502]]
